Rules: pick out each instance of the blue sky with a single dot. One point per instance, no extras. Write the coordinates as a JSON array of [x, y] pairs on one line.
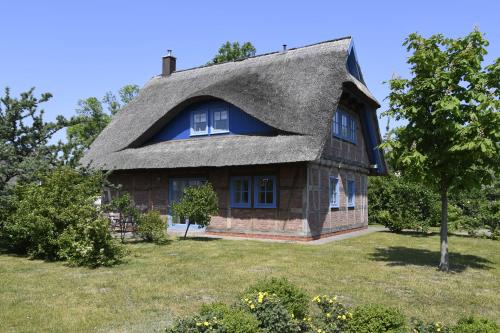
[[79, 49]]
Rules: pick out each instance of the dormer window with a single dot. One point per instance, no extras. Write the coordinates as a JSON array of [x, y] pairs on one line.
[[199, 123], [220, 121], [344, 126]]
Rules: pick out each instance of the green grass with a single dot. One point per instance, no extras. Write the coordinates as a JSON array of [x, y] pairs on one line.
[[160, 282]]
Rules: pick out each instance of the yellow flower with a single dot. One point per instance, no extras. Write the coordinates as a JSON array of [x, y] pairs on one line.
[[252, 306], [438, 329], [198, 324], [206, 323], [328, 315], [344, 317]]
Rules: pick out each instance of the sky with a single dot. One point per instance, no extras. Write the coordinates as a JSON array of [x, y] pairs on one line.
[[78, 49]]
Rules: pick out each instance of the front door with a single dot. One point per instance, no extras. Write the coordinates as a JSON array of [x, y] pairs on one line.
[[175, 192]]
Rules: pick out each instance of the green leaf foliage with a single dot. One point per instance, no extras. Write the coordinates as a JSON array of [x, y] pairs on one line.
[[24, 137], [198, 204], [57, 219], [152, 227], [91, 118], [376, 319], [475, 325], [400, 203], [233, 51], [450, 104], [293, 298]]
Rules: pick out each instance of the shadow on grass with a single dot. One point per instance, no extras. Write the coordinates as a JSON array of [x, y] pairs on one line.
[[199, 239], [422, 234], [404, 256]]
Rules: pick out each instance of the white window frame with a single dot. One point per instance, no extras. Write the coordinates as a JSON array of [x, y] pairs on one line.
[[213, 130], [192, 130], [336, 193], [348, 192]]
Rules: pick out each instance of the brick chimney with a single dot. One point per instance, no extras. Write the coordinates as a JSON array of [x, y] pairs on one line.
[[168, 64]]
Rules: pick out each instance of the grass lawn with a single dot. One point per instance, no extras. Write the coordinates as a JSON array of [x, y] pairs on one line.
[[159, 282]]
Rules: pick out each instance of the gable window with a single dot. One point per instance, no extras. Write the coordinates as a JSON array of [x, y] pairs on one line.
[[351, 193], [240, 192], [220, 121], [265, 192], [344, 126], [334, 192], [199, 122]]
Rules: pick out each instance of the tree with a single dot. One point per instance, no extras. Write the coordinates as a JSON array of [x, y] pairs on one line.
[[91, 119], [197, 205], [24, 138], [452, 137], [233, 51]]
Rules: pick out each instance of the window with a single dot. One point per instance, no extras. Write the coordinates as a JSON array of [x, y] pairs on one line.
[[344, 126], [351, 193], [220, 121], [199, 123], [334, 192], [265, 192], [240, 192]]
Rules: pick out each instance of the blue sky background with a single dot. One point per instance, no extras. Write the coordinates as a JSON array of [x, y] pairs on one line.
[[80, 49]]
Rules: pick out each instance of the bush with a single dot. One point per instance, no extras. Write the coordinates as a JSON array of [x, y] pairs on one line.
[[292, 297], [475, 325], [376, 319], [234, 320], [151, 227], [399, 203], [335, 316], [90, 244], [419, 326], [271, 313], [56, 219], [217, 317]]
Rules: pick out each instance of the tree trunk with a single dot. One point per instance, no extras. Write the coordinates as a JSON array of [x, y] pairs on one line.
[[444, 262], [187, 228]]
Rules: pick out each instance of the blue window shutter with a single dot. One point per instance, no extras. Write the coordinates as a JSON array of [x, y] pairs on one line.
[[265, 196]]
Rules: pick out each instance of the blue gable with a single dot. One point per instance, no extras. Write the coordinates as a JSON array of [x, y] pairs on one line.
[[353, 65], [240, 123]]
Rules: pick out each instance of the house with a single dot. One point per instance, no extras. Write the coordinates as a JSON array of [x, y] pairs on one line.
[[287, 139]]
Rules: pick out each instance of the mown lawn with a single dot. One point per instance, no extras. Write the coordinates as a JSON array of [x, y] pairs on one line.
[[160, 282]]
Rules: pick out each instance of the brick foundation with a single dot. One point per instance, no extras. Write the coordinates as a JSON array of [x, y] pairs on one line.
[[283, 237]]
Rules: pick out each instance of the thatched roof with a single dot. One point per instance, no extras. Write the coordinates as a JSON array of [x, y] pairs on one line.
[[296, 92]]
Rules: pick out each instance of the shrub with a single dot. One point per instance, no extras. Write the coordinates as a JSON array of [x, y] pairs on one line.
[[399, 203], [234, 320], [293, 298], [90, 244], [376, 319], [151, 227], [475, 325], [56, 219], [418, 326], [335, 316], [271, 313], [195, 324], [217, 317]]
